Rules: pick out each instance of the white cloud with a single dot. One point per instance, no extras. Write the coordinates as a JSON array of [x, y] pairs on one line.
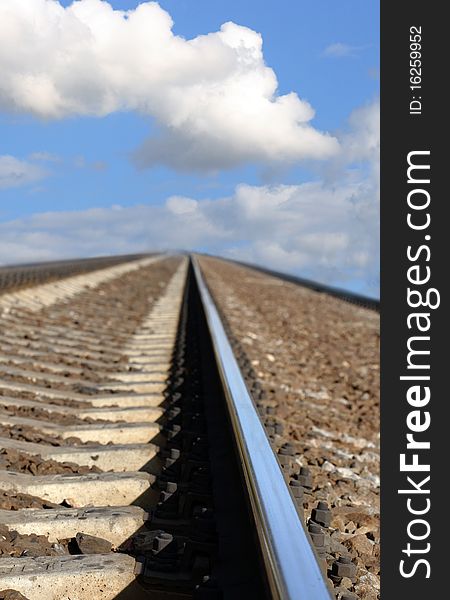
[[213, 97], [326, 230], [359, 155], [341, 50], [15, 172], [179, 205], [325, 233], [362, 141]]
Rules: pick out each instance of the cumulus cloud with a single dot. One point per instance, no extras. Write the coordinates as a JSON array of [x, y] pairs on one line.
[[15, 172], [213, 97], [325, 233], [359, 155], [362, 141], [326, 230]]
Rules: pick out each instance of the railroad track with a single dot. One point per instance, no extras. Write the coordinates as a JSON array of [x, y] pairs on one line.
[[134, 463], [347, 296], [16, 277]]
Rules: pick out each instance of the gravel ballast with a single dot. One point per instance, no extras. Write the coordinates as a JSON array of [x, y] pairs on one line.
[[311, 362]]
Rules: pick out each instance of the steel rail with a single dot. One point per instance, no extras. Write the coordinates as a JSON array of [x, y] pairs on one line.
[[292, 568]]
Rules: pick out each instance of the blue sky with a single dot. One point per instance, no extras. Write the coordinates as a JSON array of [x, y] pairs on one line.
[[325, 51]]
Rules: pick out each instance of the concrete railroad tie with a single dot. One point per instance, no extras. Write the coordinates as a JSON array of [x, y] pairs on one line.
[[111, 504]]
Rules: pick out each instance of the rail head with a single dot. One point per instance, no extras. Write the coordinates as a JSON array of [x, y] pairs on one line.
[[292, 569]]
